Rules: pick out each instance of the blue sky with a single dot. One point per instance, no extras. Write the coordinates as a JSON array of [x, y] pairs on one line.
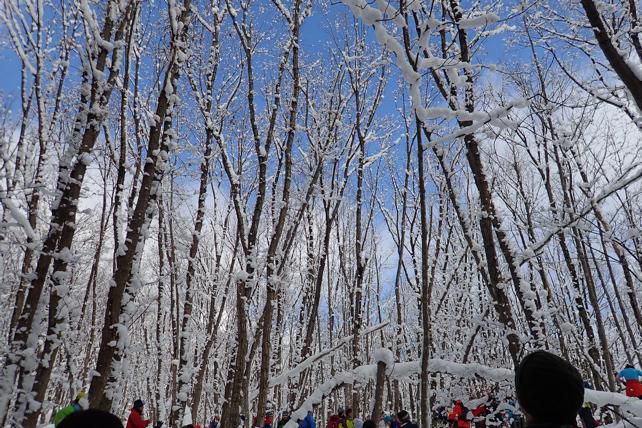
[[318, 36]]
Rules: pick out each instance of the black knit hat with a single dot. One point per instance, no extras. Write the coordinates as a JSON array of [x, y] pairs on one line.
[[403, 416], [549, 388], [91, 418]]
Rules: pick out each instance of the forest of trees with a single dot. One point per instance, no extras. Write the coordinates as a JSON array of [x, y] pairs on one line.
[[221, 205]]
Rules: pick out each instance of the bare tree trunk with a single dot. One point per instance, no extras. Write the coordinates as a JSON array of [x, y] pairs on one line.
[[272, 258], [611, 51], [425, 288], [214, 319], [186, 372], [160, 409], [378, 395], [109, 356], [597, 310], [64, 215]]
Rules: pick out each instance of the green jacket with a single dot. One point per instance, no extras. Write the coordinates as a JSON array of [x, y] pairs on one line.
[[64, 412]]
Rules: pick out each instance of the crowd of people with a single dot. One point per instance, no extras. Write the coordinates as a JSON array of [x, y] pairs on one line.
[[549, 394]]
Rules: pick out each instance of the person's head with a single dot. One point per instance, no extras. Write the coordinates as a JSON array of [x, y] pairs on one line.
[[285, 415], [348, 412], [138, 405], [549, 389], [629, 366], [369, 424], [403, 416], [91, 418], [341, 412], [80, 396]]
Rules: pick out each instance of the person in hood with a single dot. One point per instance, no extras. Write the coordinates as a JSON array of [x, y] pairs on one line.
[[214, 423], [630, 376], [550, 391], [347, 420], [93, 418], [455, 414], [269, 419], [135, 419], [72, 408], [459, 415], [284, 419], [334, 421], [307, 422], [404, 420]]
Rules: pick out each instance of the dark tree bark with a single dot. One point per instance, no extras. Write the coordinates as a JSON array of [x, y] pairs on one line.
[[102, 384]]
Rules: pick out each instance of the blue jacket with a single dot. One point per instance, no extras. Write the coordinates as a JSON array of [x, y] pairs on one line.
[[630, 374], [308, 422]]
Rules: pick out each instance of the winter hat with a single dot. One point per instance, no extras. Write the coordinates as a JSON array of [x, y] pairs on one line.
[[138, 403], [549, 388], [91, 418], [403, 416]]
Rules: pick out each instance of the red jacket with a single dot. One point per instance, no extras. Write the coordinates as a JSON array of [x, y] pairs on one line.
[[135, 420], [479, 410], [334, 422], [456, 412]]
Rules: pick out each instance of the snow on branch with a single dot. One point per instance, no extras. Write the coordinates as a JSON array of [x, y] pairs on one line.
[[308, 362], [89, 18], [19, 217], [496, 117], [603, 398], [623, 181], [478, 21], [282, 9], [400, 371], [405, 370]]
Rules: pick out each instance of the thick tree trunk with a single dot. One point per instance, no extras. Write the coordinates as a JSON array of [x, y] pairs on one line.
[[612, 52]]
